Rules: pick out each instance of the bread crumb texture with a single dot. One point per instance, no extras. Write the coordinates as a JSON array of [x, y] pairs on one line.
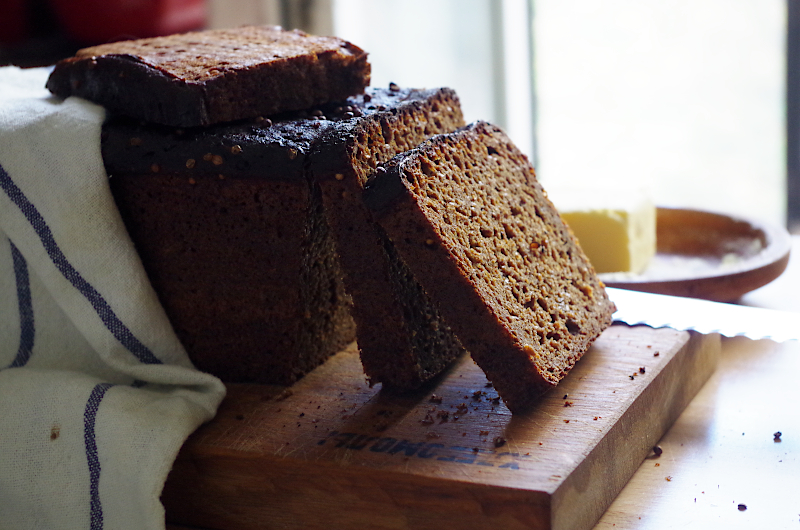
[[471, 204], [378, 140]]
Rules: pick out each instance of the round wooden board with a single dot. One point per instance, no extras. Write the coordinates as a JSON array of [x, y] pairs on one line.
[[709, 255]]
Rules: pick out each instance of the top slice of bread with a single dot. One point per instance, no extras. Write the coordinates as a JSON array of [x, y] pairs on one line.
[[469, 218], [214, 76]]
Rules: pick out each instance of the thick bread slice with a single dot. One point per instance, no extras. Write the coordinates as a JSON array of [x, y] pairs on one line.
[[469, 218], [401, 335], [214, 76]]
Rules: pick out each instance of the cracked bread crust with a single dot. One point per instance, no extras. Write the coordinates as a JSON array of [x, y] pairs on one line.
[[468, 216], [207, 77], [402, 337]]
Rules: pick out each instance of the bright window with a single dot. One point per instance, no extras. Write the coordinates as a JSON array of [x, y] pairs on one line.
[[682, 98]]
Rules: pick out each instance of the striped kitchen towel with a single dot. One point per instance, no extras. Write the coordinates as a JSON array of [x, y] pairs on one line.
[[96, 392]]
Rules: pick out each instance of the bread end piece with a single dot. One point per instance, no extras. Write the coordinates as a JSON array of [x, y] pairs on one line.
[[215, 76]]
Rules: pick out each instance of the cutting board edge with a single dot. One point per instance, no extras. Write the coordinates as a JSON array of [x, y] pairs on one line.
[[380, 500], [670, 387]]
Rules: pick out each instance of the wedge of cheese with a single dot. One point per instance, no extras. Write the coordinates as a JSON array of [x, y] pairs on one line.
[[615, 228]]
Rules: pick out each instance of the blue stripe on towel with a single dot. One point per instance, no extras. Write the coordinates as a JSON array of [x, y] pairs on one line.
[[89, 418], [104, 311], [27, 331]]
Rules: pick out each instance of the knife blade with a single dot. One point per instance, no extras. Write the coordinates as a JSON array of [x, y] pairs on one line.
[[663, 311]]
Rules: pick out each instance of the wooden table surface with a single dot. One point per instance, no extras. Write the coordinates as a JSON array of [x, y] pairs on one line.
[[721, 465]]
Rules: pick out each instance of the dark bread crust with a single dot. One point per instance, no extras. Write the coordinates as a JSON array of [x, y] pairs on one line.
[[401, 334], [214, 76], [468, 216]]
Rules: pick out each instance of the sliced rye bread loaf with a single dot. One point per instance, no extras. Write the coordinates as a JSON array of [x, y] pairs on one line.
[[234, 241], [469, 218], [214, 76], [401, 336], [232, 225]]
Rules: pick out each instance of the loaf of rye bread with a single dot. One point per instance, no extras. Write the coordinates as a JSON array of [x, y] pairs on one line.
[[233, 239], [232, 225], [214, 76], [468, 216], [402, 338]]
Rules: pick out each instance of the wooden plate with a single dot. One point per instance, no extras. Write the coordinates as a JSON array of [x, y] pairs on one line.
[[710, 256]]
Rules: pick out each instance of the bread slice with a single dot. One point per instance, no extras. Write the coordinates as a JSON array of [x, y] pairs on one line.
[[469, 218], [214, 76], [402, 337]]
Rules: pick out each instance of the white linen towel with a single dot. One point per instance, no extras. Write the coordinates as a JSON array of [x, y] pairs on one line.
[[97, 395]]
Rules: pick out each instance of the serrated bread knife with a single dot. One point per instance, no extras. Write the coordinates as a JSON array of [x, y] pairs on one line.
[[662, 311]]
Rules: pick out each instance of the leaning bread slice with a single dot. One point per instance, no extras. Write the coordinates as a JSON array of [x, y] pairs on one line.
[[214, 76], [469, 218]]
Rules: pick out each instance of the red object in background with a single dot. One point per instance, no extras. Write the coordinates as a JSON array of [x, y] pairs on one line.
[[13, 21], [100, 21]]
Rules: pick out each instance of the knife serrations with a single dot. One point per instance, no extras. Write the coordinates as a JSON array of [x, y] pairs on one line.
[[662, 311]]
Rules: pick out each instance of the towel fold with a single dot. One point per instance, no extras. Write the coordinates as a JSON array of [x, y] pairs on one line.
[[97, 395]]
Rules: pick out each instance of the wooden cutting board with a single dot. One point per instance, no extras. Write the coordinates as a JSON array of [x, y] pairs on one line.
[[330, 452]]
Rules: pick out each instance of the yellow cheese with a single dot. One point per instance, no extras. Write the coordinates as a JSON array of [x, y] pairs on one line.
[[616, 229]]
